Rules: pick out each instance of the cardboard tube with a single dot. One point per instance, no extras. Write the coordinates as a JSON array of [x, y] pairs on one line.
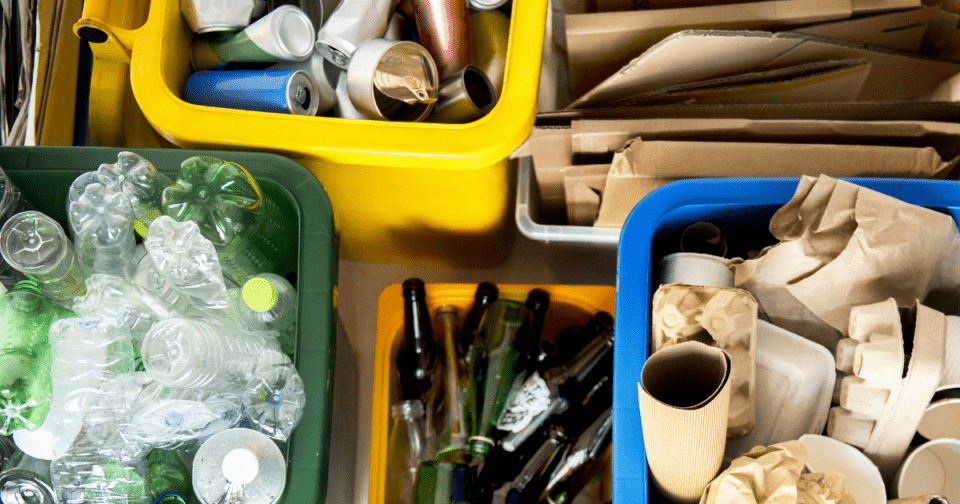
[[684, 396], [695, 269], [704, 238], [844, 354], [849, 427], [858, 396]]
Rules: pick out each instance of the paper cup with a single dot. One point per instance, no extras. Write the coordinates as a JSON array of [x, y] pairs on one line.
[[695, 269], [684, 397], [933, 468], [942, 417], [864, 483]]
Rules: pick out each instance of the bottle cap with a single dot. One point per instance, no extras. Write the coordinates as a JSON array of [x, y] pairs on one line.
[[259, 294], [240, 466], [480, 445], [413, 288], [170, 498]]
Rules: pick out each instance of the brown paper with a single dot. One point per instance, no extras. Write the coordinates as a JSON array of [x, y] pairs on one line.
[[903, 31], [684, 395], [773, 475], [643, 166], [697, 55], [896, 414], [842, 245]]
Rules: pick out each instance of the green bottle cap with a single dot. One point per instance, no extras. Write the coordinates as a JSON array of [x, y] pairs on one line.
[[259, 294], [170, 498]]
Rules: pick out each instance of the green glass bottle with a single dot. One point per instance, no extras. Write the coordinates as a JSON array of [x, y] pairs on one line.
[[453, 436], [25, 388], [443, 483], [248, 229], [170, 481], [497, 367]]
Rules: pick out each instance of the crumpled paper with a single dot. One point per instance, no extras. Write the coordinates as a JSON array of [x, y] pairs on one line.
[[773, 475], [843, 245]]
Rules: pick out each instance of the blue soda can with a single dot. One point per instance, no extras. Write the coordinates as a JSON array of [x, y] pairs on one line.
[[272, 90]]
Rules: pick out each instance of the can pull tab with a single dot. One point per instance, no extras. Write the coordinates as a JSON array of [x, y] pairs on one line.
[[405, 79]]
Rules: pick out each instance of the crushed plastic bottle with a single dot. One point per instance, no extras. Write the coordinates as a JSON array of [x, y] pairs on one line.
[[138, 308], [100, 476], [101, 221], [140, 181], [11, 202], [187, 261], [274, 400], [36, 245]]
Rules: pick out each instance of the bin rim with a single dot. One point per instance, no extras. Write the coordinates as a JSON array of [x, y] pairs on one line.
[[429, 145]]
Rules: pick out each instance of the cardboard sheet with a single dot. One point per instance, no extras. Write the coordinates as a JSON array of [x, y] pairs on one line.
[[583, 189], [902, 30], [697, 55], [644, 165], [840, 246]]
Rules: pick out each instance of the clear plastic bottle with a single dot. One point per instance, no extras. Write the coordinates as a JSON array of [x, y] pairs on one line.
[[149, 279], [182, 425], [249, 230], [268, 303], [140, 181], [100, 476], [36, 245], [239, 465], [274, 400], [11, 202], [182, 353], [25, 319], [187, 261], [101, 221], [168, 475], [138, 308]]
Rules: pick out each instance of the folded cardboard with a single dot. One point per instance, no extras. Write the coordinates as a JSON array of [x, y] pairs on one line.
[[697, 55], [584, 187], [598, 44], [901, 30]]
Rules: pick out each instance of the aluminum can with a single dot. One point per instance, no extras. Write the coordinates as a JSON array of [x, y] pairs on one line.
[[321, 70], [284, 34], [491, 30], [392, 80], [353, 23], [443, 27], [281, 91], [205, 16], [465, 97], [20, 485]]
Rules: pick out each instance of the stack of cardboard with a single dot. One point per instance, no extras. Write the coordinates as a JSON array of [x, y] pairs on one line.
[[669, 89]]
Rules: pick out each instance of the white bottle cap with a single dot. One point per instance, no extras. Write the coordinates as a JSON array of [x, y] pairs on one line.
[[240, 466]]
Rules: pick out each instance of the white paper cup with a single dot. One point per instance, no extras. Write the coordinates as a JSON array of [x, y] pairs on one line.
[[933, 468], [864, 483], [695, 269], [942, 417]]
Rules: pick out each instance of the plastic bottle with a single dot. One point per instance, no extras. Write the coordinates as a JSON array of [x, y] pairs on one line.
[[84, 353], [416, 359], [100, 476], [268, 303], [25, 319], [407, 448], [182, 353], [274, 400], [168, 475], [248, 229], [187, 261], [140, 181], [36, 245], [11, 202], [101, 222], [497, 365], [7, 452], [149, 279], [138, 308], [239, 465]]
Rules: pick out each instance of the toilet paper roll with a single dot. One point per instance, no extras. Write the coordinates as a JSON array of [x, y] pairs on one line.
[[684, 397]]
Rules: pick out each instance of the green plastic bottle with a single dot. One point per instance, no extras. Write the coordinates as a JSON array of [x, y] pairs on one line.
[[170, 481], [25, 389], [498, 366], [247, 228]]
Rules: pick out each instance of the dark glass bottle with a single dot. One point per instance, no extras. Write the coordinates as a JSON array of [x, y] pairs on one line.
[[538, 300], [496, 366], [568, 343], [484, 296], [533, 478], [444, 483], [584, 460], [416, 359]]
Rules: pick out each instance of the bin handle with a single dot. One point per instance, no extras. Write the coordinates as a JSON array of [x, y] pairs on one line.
[[106, 41]]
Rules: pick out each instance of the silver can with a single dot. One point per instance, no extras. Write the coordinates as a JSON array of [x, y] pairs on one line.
[[239, 462], [205, 16], [23, 486], [393, 80], [353, 23], [465, 97]]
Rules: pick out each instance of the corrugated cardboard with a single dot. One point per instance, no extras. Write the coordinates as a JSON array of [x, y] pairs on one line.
[[684, 442], [645, 165], [599, 44], [696, 55], [583, 187], [822, 81], [902, 30]]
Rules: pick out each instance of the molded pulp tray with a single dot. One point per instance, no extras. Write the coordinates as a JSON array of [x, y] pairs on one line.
[[742, 208], [44, 175]]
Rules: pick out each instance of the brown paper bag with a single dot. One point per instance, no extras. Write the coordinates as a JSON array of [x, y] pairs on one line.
[[842, 245], [684, 395]]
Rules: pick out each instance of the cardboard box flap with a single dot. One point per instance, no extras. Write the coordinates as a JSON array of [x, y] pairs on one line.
[[583, 187], [600, 43], [902, 31], [694, 55], [822, 81]]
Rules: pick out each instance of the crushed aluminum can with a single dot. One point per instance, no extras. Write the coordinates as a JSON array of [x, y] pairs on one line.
[[353, 23], [205, 16]]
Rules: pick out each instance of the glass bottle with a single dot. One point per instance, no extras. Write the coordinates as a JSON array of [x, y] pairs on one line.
[[407, 448], [497, 368], [538, 300], [416, 359], [584, 460], [453, 436], [25, 389], [567, 344], [532, 479], [483, 297]]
